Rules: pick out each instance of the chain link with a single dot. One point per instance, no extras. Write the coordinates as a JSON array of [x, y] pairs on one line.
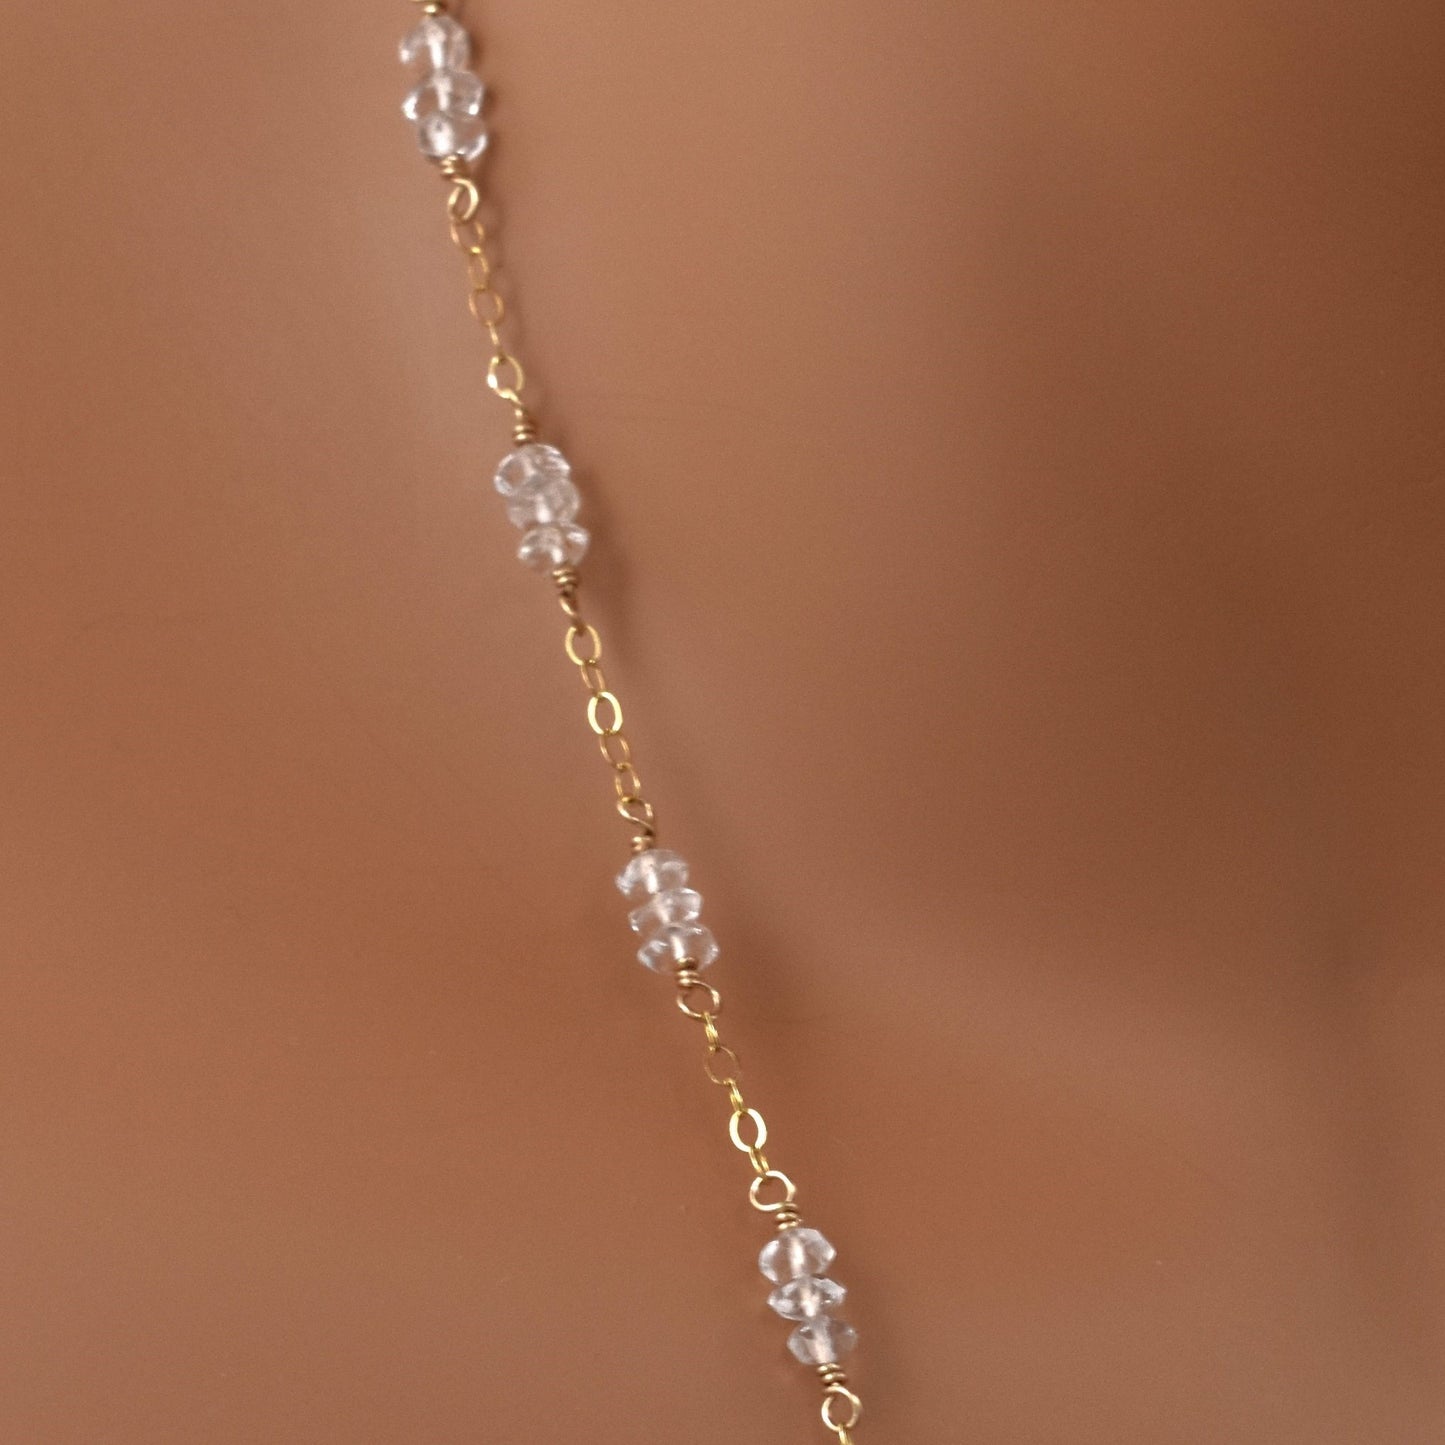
[[842, 1420]]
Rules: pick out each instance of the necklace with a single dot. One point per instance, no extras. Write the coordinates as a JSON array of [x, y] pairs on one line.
[[542, 501]]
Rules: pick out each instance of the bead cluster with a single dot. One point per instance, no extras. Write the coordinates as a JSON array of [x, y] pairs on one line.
[[446, 106], [667, 912], [795, 1261], [542, 499]]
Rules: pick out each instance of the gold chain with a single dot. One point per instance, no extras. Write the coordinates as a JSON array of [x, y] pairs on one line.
[[505, 376], [770, 1191], [583, 647]]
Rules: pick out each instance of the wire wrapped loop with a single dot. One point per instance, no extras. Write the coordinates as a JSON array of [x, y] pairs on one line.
[[842, 1410], [463, 200]]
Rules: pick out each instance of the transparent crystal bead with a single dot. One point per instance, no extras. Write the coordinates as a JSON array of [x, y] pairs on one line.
[[679, 943], [530, 466], [544, 504], [672, 905], [442, 136], [651, 871], [546, 548], [793, 1253], [437, 43], [447, 109], [822, 1341], [450, 91], [802, 1298]]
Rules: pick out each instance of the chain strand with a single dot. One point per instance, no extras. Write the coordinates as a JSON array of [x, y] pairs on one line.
[[505, 376], [748, 1131], [583, 647], [771, 1192]]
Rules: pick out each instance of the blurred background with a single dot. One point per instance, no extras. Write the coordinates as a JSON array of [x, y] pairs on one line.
[[1012, 439]]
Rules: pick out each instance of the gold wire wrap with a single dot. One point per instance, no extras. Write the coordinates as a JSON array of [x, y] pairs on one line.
[[842, 1409]]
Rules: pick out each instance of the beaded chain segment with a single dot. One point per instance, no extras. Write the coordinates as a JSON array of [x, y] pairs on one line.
[[542, 501]]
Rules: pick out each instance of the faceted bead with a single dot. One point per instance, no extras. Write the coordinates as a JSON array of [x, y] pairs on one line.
[[544, 504], [447, 109], [672, 905], [437, 43], [802, 1298], [793, 1253], [679, 943], [528, 467], [443, 136], [822, 1341], [546, 548], [651, 871]]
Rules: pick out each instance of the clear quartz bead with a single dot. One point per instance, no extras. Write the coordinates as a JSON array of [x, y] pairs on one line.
[[822, 1341], [447, 109], [793, 1253], [548, 547], [529, 467], [545, 504], [806, 1296], [679, 943], [437, 43], [444, 136], [652, 871], [672, 905]]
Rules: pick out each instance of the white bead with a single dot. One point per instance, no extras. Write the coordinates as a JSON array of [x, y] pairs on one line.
[[546, 548], [452, 91], [679, 943], [529, 466], [793, 1253], [447, 109], [672, 905], [444, 136], [437, 43], [822, 1341], [544, 503], [802, 1298], [651, 871]]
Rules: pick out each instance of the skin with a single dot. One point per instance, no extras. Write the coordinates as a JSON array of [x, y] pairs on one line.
[[1012, 438]]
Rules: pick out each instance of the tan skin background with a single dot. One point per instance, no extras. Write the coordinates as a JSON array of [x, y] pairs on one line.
[[1012, 434]]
